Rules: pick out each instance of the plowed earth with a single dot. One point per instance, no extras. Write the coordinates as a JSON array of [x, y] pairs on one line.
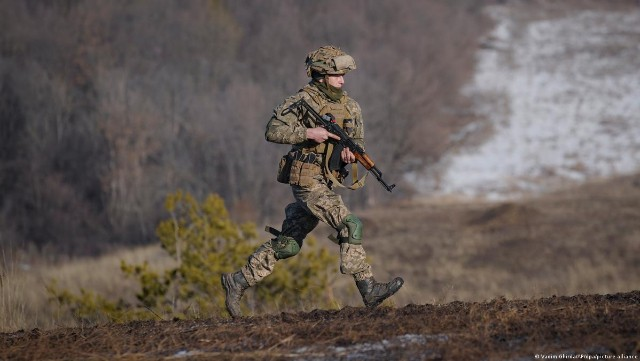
[[582, 326]]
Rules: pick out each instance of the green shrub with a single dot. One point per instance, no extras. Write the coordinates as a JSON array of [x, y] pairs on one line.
[[205, 242]]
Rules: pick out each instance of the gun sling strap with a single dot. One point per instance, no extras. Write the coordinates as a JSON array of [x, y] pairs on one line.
[[355, 182]]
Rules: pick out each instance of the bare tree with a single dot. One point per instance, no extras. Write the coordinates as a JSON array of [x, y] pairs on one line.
[[108, 106]]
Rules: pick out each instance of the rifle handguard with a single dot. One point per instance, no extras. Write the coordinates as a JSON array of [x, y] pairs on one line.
[[364, 160]]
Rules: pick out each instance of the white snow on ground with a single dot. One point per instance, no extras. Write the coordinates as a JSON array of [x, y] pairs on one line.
[[406, 347], [563, 98]]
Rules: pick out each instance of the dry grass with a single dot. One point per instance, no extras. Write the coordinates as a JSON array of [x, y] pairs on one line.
[[576, 241], [24, 302]]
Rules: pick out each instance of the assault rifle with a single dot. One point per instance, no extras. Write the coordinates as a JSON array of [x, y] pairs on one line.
[[328, 122]]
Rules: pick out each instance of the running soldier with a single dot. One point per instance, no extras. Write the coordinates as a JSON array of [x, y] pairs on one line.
[[306, 169]]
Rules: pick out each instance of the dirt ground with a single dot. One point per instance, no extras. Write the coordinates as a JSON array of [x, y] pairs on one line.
[[583, 326]]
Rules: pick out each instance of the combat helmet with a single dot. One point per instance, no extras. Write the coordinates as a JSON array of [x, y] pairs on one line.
[[329, 60]]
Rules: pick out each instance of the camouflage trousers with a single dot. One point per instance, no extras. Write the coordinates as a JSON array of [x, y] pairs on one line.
[[313, 203]]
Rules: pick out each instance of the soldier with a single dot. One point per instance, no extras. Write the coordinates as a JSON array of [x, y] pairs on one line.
[[305, 169]]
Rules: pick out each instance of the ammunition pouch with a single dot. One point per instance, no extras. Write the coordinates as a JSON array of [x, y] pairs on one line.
[[304, 168]]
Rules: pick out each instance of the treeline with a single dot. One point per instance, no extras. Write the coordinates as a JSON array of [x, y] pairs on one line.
[[107, 106]]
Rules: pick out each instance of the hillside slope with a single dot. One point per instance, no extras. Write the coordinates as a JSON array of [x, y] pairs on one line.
[[532, 258], [582, 240], [575, 241], [558, 88]]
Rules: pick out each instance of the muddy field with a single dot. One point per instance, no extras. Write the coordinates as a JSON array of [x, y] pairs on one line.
[[583, 326]]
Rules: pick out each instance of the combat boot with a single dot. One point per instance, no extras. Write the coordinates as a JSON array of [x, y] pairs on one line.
[[373, 293], [234, 285]]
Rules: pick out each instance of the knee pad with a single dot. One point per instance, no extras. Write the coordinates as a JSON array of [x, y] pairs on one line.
[[285, 247], [354, 226]]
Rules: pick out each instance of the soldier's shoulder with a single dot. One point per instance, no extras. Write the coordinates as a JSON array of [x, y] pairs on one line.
[[350, 100], [306, 92], [290, 100], [313, 94], [352, 105]]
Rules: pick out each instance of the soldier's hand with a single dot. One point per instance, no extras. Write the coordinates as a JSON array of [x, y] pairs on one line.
[[347, 156], [320, 135]]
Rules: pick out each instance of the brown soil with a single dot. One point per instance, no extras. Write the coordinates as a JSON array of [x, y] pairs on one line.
[[497, 330]]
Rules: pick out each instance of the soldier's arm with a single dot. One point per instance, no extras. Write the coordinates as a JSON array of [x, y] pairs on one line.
[[284, 127]]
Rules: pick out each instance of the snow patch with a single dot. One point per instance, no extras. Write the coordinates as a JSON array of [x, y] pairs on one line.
[[563, 97], [400, 346]]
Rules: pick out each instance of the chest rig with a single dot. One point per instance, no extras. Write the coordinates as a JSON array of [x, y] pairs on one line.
[[342, 117], [327, 155]]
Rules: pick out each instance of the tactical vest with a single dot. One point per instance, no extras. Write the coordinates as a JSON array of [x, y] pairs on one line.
[[344, 119], [340, 113]]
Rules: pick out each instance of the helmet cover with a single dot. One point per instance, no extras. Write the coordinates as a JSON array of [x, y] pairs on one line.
[[329, 60]]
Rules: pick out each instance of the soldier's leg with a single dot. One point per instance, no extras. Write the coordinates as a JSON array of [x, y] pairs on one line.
[[328, 206], [297, 224], [353, 260]]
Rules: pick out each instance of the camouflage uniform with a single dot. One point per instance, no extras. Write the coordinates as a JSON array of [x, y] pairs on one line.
[[314, 198], [312, 182]]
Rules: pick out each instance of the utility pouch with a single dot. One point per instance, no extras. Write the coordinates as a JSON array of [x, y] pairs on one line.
[[303, 174], [284, 168]]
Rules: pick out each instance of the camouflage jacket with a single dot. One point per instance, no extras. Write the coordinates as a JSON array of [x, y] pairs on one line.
[[287, 127]]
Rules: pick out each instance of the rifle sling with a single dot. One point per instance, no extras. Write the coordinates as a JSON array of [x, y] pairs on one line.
[[355, 182]]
